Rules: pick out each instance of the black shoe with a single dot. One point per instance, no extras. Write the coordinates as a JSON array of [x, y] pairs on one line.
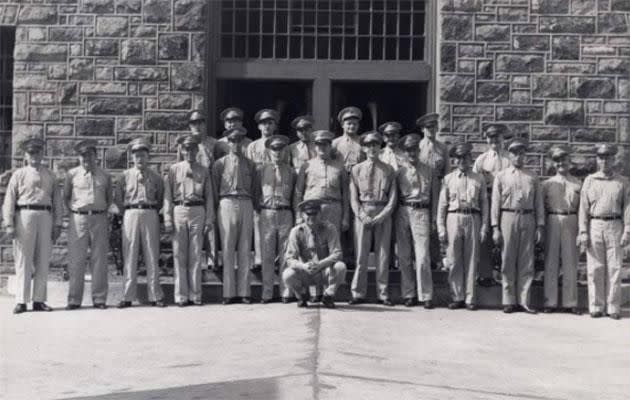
[[328, 301], [597, 314], [228, 300], [124, 304], [428, 305], [266, 301], [575, 310], [100, 306], [471, 307], [182, 304], [528, 310], [71, 307], [19, 308], [247, 300], [356, 300], [317, 298], [410, 302], [548, 310], [303, 303], [190, 303], [456, 305], [615, 316], [387, 302], [40, 306], [286, 300], [197, 303], [509, 309], [160, 303]]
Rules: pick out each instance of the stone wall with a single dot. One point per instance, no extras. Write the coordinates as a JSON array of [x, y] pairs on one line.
[[111, 70], [551, 70]]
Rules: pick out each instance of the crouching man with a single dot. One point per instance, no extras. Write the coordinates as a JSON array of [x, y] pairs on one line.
[[313, 256]]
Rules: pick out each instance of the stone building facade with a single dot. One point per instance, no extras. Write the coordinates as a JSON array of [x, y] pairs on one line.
[[552, 70]]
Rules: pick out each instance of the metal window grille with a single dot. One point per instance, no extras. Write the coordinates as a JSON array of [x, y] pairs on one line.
[[7, 42], [323, 29]]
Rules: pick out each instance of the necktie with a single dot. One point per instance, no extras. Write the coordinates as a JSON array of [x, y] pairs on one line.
[[370, 175]]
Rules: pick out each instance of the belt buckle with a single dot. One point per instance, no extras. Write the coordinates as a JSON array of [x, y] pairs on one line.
[[90, 212]]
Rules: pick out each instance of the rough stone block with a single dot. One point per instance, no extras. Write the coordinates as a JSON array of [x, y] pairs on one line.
[[68, 93], [466, 66], [128, 124], [601, 50], [565, 112], [141, 73], [473, 110], [111, 26], [566, 48], [461, 5], [520, 63], [448, 57], [550, 6], [550, 133], [591, 88], [531, 42], [40, 52], [567, 24], [617, 107], [65, 34], [492, 32], [624, 88], [57, 71], [114, 105], [20, 106], [471, 50], [101, 47], [128, 6], [457, 27], [550, 86], [166, 121], [484, 69], [138, 51], [584, 7], [97, 6], [620, 5], [81, 69], [187, 76], [624, 129], [493, 92], [521, 97], [593, 135], [456, 88], [95, 127], [465, 124], [103, 88], [157, 11], [612, 23], [173, 47], [43, 98], [198, 48], [613, 66], [513, 14], [44, 114], [174, 101], [37, 15], [59, 129], [519, 113], [190, 15], [571, 68]]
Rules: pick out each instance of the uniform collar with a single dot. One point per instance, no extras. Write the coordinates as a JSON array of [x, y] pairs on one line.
[[601, 175]]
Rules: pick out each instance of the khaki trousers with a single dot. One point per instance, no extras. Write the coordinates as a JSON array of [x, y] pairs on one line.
[[257, 244], [32, 250], [275, 226], [141, 230], [561, 249], [88, 231], [236, 220], [188, 238], [299, 280], [517, 256], [604, 258], [486, 264], [462, 253], [331, 212], [380, 235], [413, 228]]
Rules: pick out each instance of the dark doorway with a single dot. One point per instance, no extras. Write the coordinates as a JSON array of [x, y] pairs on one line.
[[7, 43], [290, 98], [402, 102]]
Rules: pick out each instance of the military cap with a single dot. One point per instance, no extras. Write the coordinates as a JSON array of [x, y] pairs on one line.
[[139, 144], [558, 152], [276, 142], [349, 112], [235, 134], [370, 137], [195, 116], [427, 119], [83, 146], [517, 144], [302, 121], [605, 149], [266, 114], [188, 141], [323, 136], [390, 127], [495, 129], [409, 141], [232, 113], [33, 144], [461, 149], [310, 207]]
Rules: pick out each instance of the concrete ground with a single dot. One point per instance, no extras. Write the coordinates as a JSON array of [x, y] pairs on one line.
[[281, 352]]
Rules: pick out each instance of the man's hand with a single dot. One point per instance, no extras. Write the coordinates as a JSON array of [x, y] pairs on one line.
[[208, 228], [10, 231], [583, 242], [497, 238], [56, 231], [483, 234], [625, 239], [539, 234], [443, 238], [312, 267]]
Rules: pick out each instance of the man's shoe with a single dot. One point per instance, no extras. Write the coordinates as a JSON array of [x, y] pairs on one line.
[[228, 300], [124, 304], [303, 303], [266, 301], [509, 309], [286, 300], [19, 308], [160, 303], [356, 300], [548, 310], [575, 310], [40, 306], [410, 302], [597, 314], [428, 305], [456, 305], [471, 307], [190, 303], [247, 300], [317, 298], [528, 310], [615, 316], [71, 307], [100, 306], [197, 303], [328, 301], [182, 304], [387, 302]]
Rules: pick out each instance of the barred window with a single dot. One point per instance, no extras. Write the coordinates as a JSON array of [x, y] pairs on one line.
[[323, 29], [7, 42]]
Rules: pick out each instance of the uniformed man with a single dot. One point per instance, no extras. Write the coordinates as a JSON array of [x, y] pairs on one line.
[[604, 223], [232, 117], [188, 216], [462, 224], [324, 178], [302, 150], [313, 256], [233, 176], [32, 214], [517, 218], [140, 193], [489, 163], [413, 224], [274, 185], [88, 195], [435, 154], [347, 147], [391, 153], [373, 196], [561, 195]]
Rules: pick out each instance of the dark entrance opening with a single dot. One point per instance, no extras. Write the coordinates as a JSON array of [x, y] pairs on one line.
[[393, 101], [290, 98]]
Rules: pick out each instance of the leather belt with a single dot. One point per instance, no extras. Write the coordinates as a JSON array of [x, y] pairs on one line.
[[607, 217], [141, 206], [517, 211], [467, 211], [190, 203], [235, 197], [33, 207], [277, 208], [415, 204], [88, 212], [562, 212]]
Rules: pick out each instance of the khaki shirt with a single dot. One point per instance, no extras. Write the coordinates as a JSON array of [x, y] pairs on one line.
[[320, 244], [87, 191], [191, 183], [462, 191], [414, 182], [233, 175], [490, 163], [348, 150], [138, 187], [274, 185], [561, 193], [373, 181], [519, 189], [604, 196], [30, 186], [258, 153], [206, 154], [392, 157], [300, 153]]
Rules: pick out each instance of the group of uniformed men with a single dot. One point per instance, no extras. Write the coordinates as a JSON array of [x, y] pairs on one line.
[[299, 202]]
